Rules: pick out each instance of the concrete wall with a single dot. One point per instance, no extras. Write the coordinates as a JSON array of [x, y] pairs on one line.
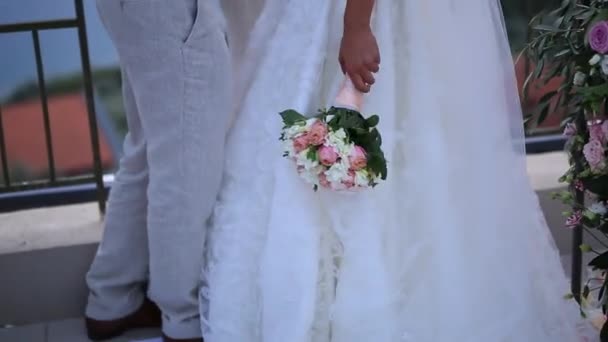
[[45, 253]]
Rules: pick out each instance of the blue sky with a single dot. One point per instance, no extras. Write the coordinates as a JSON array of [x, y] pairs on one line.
[[60, 51]]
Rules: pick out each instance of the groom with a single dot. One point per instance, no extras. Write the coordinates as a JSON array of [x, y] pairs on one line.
[[176, 79], [175, 64]]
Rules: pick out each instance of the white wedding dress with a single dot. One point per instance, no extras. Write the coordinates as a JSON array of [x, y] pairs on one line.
[[451, 248]]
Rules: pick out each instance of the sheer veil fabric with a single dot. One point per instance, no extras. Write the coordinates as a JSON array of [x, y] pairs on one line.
[[453, 247]]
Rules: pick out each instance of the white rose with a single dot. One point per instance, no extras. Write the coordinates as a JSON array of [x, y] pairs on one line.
[[302, 160], [340, 134], [579, 78], [311, 176], [362, 178], [288, 147], [337, 139], [310, 122], [595, 59], [604, 65], [294, 130], [336, 173], [598, 208]]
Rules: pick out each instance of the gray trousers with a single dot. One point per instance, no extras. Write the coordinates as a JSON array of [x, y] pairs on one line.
[[176, 86]]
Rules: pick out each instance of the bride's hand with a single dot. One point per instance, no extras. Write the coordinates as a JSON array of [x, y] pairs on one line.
[[359, 56]]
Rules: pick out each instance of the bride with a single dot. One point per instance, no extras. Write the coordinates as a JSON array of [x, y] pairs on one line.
[[452, 247]]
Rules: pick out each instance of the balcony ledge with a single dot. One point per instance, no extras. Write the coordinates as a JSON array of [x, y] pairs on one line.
[[45, 253]]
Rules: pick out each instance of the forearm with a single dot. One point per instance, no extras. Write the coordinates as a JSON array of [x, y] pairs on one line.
[[358, 13]]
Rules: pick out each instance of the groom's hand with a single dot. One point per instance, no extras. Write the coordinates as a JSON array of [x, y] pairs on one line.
[[359, 54]]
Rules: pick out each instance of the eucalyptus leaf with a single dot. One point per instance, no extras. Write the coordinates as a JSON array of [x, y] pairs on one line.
[[600, 261], [373, 121], [291, 117]]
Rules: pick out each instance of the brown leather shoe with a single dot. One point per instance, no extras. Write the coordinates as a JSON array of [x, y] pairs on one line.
[[147, 316], [169, 339]]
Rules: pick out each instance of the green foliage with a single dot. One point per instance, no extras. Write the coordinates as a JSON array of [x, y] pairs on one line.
[[362, 132], [559, 47], [65, 84], [291, 118], [107, 83]]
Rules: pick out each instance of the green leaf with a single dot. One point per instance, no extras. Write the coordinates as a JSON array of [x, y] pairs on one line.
[[377, 163], [538, 70], [594, 92], [600, 261], [546, 28], [544, 106], [312, 154], [597, 185], [604, 333], [562, 53], [543, 112], [346, 118], [526, 85], [373, 121], [585, 248], [291, 117], [586, 291]]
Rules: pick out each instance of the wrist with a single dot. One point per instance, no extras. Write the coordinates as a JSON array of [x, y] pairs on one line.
[[357, 14], [356, 26]]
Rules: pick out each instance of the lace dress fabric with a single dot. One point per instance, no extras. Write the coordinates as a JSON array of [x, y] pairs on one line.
[[451, 248]]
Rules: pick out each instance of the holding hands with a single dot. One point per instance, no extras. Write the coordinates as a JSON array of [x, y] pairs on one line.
[[359, 54]]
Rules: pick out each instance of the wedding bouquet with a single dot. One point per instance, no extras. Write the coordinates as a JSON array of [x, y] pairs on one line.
[[337, 149]]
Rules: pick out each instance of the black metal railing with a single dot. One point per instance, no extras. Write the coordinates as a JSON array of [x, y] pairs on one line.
[[549, 143], [11, 192], [76, 189]]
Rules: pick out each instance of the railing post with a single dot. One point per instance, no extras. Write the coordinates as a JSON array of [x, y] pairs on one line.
[[3, 156], [90, 102], [45, 106], [577, 234]]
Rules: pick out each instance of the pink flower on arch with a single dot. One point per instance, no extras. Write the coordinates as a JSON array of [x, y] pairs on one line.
[[594, 154], [578, 185], [574, 220], [598, 37], [570, 130], [596, 132]]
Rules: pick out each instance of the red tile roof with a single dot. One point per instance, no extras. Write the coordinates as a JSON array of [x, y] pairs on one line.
[[536, 91], [25, 138]]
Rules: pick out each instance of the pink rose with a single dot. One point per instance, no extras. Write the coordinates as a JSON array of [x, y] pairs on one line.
[[323, 180], [598, 37], [349, 181], [594, 154], [605, 128], [300, 143], [358, 158], [570, 130], [596, 132], [317, 133], [578, 185], [327, 155], [574, 220]]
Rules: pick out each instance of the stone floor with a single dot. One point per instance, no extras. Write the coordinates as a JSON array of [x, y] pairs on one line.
[[71, 330]]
